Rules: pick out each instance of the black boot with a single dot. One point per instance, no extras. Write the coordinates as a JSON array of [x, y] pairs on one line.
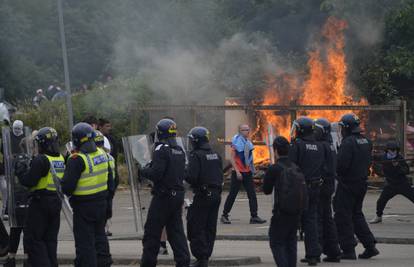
[[349, 255], [369, 253], [332, 259], [200, 263]]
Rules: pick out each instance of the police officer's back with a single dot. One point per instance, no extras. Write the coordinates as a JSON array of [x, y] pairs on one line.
[[205, 175], [45, 205], [354, 159], [327, 226], [166, 171], [306, 152], [87, 181], [310, 156]]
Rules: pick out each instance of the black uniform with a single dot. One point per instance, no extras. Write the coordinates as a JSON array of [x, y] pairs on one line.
[[4, 241], [395, 171], [328, 234], [44, 216], [310, 156], [89, 217], [205, 175], [166, 171], [354, 159], [283, 227]]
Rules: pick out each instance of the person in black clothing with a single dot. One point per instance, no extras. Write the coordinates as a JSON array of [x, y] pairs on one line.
[[44, 205], [354, 159], [395, 169], [21, 195], [311, 157], [105, 127], [88, 181], [4, 243], [205, 175], [283, 227], [166, 171], [328, 234]]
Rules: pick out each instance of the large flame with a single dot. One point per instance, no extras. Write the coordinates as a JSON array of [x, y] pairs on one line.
[[325, 84]]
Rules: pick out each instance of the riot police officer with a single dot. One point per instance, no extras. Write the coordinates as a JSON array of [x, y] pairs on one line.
[[354, 159], [166, 171], [87, 180], [205, 175], [310, 156], [328, 235], [44, 205]]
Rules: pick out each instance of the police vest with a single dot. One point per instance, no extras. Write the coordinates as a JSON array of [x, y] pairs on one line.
[[46, 182], [111, 161], [94, 178]]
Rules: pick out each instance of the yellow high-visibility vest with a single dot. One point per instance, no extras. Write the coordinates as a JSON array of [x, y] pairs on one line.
[[94, 178], [47, 182]]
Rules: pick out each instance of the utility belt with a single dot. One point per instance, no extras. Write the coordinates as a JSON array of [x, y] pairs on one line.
[[314, 182], [167, 192], [207, 189]]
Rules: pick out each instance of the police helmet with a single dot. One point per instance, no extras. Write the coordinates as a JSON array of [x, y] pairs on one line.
[[47, 139], [392, 145], [82, 133], [303, 126], [199, 135], [350, 123], [99, 139], [166, 128], [323, 124]]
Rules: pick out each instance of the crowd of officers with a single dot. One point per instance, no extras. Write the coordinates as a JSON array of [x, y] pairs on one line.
[[319, 169]]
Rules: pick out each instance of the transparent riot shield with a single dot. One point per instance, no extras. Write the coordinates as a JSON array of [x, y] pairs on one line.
[[9, 174], [183, 143], [138, 152], [16, 149], [66, 208], [336, 135]]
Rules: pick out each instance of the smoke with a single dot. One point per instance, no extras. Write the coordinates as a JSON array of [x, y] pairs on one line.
[[198, 51]]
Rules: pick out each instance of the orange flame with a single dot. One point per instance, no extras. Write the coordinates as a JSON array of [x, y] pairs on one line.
[[325, 84]]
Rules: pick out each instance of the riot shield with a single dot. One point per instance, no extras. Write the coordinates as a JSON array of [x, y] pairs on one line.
[[184, 145], [15, 150], [66, 208], [137, 150], [336, 135]]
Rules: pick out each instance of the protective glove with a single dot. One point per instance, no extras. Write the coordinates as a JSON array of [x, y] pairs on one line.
[[22, 166]]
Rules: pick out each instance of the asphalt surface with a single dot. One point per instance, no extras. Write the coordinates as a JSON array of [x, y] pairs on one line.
[[397, 228]]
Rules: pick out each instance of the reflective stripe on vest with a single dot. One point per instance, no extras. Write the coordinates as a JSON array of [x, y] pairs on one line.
[[46, 182], [94, 178], [111, 162]]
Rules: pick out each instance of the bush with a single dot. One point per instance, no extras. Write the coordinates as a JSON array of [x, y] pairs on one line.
[[113, 101]]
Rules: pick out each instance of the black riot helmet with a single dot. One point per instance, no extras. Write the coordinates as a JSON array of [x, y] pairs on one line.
[[392, 145], [322, 129], [198, 136], [83, 133], [166, 128], [48, 140], [350, 124], [302, 127]]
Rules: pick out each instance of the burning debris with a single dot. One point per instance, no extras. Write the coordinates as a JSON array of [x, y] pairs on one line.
[[325, 84]]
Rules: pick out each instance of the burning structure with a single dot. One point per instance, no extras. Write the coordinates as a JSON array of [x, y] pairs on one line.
[[323, 91]]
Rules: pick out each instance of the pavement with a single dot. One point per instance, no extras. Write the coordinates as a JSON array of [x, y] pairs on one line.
[[243, 244]]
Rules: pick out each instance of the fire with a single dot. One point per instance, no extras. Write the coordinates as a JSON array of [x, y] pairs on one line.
[[325, 84]]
